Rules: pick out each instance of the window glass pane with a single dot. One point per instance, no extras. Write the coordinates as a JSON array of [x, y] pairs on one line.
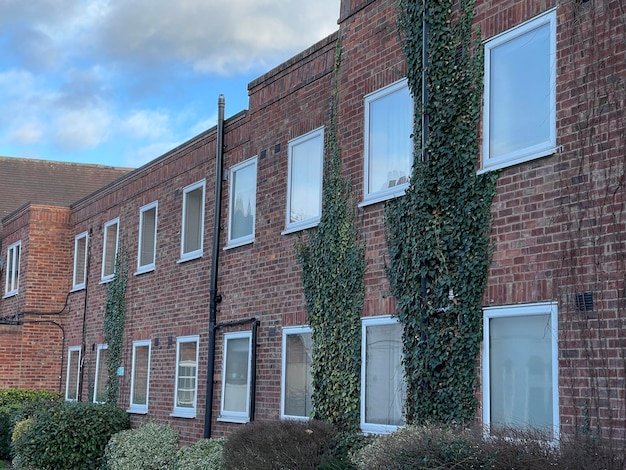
[[384, 375], [140, 376], [306, 180], [298, 376], [16, 273], [10, 271], [236, 375], [148, 229], [244, 202], [520, 363], [390, 145], [72, 375], [103, 374], [79, 260], [193, 220], [186, 390], [110, 248], [520, 94]]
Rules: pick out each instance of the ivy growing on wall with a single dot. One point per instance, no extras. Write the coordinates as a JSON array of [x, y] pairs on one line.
[[114, 317], [438, 233], [333, 262]]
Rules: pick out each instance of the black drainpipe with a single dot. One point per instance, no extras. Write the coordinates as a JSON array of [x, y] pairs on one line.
[[214, 297]]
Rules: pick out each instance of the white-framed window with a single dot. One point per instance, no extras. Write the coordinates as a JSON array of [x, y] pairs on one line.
[[102, 374], [242, 204], [297, 377], [192, 233], [304, 185], [73, 373], [236, 369], [109, 249], [186, 391], [140, 377], [388, 144], [520, 366], [80, 261], [12, 280], [383, 389], [146, 251], [519, 115]]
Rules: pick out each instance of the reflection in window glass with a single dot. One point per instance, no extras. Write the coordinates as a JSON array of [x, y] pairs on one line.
[[298, 377]]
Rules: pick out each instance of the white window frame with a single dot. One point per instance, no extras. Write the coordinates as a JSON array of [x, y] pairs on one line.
[[76, 285], [181, 411], [317, 134], [142, 211], [106, 277], [101, 347], [292, 330], [197, 253], [540, 308], [229, 415], [366, 323], [246, 239], [12, 269], [374, 196], [73, 350], [133, 407], [539, 150]]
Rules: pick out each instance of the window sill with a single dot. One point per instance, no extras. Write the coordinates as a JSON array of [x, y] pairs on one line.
[[233, 419], [375, 198], [238, 243], [301, 226], [9, 294], [183, 414], [106, 280], [378, 428], [137, 411], [499, 164], [143, 271], [78, 288], [189, 257]]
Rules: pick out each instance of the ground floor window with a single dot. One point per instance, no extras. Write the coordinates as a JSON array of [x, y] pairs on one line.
[[102, 374], [297, 383], [186, 376], [140, 377], [73, 373], [382, 375], [235, 403], [520, 366]]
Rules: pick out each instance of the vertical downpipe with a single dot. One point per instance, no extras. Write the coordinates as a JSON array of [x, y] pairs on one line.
[[214, 298]]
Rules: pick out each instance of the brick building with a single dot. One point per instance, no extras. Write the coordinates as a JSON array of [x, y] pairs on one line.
[[553, 127]]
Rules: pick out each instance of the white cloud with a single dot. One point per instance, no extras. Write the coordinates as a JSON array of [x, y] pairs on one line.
[[143, 155], [81, 129], [27, 133], [146, 124]]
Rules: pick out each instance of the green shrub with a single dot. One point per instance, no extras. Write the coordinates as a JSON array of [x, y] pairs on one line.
[[298, 445], [206, 454], [73, 435], [16, 404], [150, 447]]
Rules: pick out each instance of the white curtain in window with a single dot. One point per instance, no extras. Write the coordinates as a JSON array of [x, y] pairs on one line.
[[244, 202], [236, 375], [298, 376], [306, 180]]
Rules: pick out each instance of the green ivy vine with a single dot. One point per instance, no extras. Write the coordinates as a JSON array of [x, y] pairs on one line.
[[438, 233], [333, 264], [114, 317]]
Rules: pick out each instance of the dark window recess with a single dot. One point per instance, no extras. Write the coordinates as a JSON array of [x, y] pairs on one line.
[[584, 301]]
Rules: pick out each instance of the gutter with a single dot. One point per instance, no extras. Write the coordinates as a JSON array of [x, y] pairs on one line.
[[214, 297]]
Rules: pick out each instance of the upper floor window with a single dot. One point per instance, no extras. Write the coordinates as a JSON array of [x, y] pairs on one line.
[[193, 221], [109, 249], [388, 143], [242, 208], [235, 403], [102, 374], [520, 367], [146, 252], [80, 261], [73, 373], [304, 187], [519, 116], [383, 389], [297, 384], [186, 377], [12, 269], [140, 377]]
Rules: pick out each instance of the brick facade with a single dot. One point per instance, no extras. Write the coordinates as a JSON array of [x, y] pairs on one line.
[[558, 226]]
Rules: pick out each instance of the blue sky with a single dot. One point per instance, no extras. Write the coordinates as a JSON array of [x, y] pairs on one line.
[[120, 82]]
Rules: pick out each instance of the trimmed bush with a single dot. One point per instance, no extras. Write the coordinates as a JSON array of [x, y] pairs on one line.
[[270, 445], [16, 404], [73, 435], [150, 447], [206, 454]]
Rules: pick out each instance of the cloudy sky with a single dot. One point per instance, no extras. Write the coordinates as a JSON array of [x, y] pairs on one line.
[[120, 82]]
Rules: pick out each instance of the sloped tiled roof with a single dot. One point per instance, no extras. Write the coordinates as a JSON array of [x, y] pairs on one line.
[[25, 180]]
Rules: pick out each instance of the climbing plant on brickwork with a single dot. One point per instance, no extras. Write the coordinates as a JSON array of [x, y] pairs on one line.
[[114, 318], [438, 232], [332, 257]]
